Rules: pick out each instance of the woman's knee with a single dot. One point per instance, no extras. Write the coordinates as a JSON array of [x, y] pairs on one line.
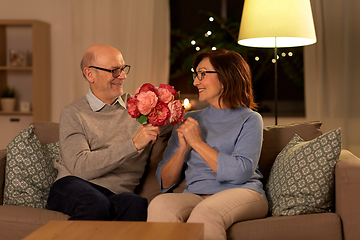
[[159, 209], [172, 207], [204, 212], [231, 206]]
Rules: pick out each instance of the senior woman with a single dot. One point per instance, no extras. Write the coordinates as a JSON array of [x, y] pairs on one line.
[[217, 149]]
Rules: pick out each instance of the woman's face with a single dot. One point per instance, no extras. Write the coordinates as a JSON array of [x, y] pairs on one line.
[[209, 87]]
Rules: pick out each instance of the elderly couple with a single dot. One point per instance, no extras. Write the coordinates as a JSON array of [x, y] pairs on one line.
[[103, 151]]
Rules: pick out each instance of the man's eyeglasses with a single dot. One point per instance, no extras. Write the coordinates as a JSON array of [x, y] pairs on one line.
[[201, 74], [115, 72]]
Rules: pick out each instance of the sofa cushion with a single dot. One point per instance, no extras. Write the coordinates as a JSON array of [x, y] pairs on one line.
[[16, 222], [311, 226], [29, 170], [276, 137], [301, 180], [47, 132]]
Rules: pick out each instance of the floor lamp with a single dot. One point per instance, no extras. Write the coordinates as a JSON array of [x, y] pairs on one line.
[[276, 24]]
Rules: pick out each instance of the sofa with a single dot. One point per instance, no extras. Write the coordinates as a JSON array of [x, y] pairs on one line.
[[342, 222]]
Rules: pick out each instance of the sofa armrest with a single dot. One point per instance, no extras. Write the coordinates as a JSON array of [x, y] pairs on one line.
[[347, 193], [2, 173]]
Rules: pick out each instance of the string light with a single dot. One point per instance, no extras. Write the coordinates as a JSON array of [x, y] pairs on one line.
[[197, 48], [290, 54], [211, 19], [213, 48], [257, 58], [208, 33], [193, 42], [273, 60]]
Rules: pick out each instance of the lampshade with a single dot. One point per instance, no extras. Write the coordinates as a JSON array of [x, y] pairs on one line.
[[290, 22]]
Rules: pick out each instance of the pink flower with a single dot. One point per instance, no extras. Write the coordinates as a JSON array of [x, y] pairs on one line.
[[147, 101], [159, 115], [170, 89], [132, 108], [177, 111], [145, 88], [156, 106], [165, 95]]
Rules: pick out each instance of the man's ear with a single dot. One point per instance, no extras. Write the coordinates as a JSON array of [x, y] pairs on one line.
[[88, 75]]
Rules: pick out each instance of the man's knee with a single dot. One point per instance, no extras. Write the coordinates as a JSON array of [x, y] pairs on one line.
[[129, 207], [92, 207], [97, 208], [78, 199], [134, 200]]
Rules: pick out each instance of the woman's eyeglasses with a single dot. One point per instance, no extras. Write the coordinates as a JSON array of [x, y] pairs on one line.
[[201, 74]]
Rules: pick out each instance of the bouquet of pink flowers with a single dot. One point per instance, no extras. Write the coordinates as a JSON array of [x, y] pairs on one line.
[[156, 105]]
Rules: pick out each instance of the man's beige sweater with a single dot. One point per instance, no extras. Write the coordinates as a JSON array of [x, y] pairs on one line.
[[98, 146]]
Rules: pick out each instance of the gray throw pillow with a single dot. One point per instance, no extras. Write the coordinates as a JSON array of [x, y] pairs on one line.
[[301, 180], [29, 170]]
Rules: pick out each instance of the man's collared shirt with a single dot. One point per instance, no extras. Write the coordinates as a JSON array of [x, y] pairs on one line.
[[96, 104]]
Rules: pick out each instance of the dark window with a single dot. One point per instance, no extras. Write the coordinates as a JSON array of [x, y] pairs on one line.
[[190, 21]]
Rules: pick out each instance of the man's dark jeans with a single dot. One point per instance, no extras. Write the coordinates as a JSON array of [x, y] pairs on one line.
[[82, 200]]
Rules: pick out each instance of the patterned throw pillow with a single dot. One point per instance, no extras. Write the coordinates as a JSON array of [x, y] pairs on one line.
[[301, 180], [29, 170]]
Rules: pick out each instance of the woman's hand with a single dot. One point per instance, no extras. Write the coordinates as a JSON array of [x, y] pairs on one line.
[[183, 145], [171, 171], [190, 131]]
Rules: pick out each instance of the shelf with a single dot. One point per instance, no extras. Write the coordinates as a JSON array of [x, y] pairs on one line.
[[10, 68], [15, 113], [32, 81]]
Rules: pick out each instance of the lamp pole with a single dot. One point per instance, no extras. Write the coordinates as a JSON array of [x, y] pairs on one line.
[[275, 83]]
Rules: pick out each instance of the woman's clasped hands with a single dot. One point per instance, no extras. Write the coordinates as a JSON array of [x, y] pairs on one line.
[[189, 133]]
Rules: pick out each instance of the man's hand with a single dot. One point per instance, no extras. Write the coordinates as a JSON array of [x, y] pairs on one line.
[[147, 133]]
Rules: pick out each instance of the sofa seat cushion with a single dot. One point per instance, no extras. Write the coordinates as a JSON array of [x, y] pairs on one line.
[[16, 222], [313, 226]]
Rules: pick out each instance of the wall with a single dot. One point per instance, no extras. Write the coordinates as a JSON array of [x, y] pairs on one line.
[[332, 73], [140, 29], [58, 14]]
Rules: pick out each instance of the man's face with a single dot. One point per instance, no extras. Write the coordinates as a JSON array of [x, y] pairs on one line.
[[105, 86]]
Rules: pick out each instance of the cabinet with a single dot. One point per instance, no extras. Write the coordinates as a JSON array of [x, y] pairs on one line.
[[31, 81]]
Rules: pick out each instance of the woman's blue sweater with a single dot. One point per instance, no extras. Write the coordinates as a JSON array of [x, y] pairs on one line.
[[237, 135]]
